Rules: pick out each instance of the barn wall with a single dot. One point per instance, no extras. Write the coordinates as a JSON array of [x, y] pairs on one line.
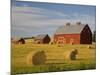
[[46, 40], [75, 38], [38, 41]]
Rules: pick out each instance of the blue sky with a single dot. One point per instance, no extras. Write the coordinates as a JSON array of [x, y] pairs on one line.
[[32, 18]]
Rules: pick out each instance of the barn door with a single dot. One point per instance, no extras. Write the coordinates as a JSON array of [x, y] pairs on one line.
[[72, 41]]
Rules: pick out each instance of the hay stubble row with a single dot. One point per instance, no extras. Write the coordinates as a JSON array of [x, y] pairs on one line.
[[54, 54]]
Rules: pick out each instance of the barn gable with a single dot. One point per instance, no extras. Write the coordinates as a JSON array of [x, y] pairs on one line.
[[86, 29], [86, 36]]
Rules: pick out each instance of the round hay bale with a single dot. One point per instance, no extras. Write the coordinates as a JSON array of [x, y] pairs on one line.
[[66, 55], [51, 43], [89, 47], [71, 55], [59, 45], [29, 58], [36, 58]]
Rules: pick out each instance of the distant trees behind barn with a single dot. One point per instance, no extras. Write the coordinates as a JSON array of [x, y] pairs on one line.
[[94, 36]]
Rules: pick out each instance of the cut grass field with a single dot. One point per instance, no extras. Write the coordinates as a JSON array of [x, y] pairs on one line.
[[56, 58]]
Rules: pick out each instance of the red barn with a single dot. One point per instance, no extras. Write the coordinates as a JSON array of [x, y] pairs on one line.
[[42, 39], [73, 34]]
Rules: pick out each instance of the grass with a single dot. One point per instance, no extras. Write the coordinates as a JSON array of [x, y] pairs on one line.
[[56, 58]]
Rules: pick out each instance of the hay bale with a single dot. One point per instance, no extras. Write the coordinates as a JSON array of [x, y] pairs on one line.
[[59, 45], [89, 47], [36, 58], [66, 55], [51, 43], [29, 58], [71, 55]]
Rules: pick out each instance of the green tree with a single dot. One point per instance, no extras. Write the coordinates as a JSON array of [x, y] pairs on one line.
[[94, 36]]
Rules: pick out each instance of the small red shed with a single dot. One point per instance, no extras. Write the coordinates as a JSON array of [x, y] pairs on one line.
[[73, 34]]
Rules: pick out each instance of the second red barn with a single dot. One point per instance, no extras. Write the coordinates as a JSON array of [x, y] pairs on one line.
[[73, 34]]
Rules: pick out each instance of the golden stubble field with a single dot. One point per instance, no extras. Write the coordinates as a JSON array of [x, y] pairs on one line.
[[57, 58]]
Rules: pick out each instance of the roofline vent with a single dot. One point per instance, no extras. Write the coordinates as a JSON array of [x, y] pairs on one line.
[[68, 24], [78, 23]]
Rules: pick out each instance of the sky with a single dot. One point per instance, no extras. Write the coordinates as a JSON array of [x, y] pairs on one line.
[[33, 18]]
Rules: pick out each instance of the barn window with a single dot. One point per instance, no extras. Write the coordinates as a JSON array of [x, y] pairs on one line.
[[60, 38]]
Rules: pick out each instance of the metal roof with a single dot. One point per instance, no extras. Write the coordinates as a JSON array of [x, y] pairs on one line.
[[70, 29], [41, 36]]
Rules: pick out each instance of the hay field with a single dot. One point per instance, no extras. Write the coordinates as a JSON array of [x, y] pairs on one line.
[[57, 59]]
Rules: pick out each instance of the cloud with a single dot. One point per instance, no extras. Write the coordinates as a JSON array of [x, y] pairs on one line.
[[31, 15], [28, 21]]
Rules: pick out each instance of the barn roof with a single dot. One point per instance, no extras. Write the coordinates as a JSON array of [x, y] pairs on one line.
[[70, 29], [41, 36]]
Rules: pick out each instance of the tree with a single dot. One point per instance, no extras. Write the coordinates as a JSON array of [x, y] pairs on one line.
[[94, 36]]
